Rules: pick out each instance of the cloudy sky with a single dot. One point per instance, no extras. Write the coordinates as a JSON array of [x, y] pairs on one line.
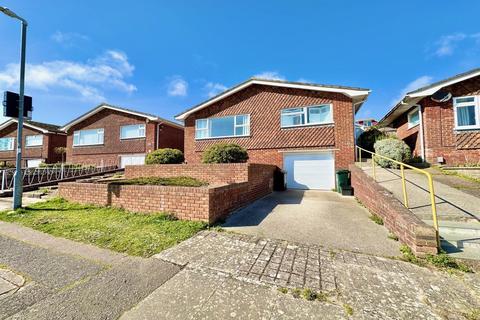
[[165, 56]]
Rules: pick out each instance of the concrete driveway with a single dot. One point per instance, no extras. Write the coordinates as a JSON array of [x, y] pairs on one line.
[[314, 217]]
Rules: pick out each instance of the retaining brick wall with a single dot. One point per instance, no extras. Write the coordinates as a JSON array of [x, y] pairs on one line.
[[246, 183], [412, 231]]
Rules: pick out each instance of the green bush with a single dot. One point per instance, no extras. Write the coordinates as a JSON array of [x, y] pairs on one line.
[[392, 148], [368, 138], [225, 153], [165, 156]]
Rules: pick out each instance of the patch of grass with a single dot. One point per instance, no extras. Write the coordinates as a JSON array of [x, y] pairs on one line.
[[44, 190], [322, 296], [457, 174], [441, 260], [392, 237], [283, 290], [376, 218], [309, 294], [473, 315], [296, 293], [115, 229], [159, 181], [348, 309]]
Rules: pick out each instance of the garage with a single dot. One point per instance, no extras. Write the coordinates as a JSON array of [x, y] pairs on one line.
[[310, 170], [132, 159]]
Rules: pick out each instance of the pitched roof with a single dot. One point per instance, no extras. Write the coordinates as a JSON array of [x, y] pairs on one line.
[[413, 97], [121, 109], [40, 126], [359, 95]]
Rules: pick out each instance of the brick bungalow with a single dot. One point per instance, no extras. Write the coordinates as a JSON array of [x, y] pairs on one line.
[[39, 142], [441, 122], [305, 129], [111, 135]]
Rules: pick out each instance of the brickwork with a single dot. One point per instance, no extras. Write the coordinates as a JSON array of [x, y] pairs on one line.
[[231, 187], [410, 230], [44, 152], [411, 136], [267, 139]]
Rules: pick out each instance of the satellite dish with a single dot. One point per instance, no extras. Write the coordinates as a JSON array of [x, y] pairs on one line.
[[441, 96]]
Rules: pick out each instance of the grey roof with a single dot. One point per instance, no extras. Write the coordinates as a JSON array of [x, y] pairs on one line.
[[47, 126], [460, 75]]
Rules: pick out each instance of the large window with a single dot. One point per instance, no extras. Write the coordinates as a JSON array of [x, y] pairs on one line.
[[414, 118], [467, 112], [88, 137], [132, 131], [230, 126], [305, 116], [34, 140], [6, 144]]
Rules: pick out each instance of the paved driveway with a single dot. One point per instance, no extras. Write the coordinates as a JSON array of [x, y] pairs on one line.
[[314, 217]]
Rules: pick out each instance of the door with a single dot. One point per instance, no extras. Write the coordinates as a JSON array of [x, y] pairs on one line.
[[314, 170], [33, 163], [132, 159]]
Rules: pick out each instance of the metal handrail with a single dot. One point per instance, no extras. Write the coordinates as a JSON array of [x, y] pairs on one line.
[[404, 188]]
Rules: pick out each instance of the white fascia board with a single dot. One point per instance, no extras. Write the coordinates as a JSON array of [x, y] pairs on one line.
[[363, 94], [432, 90], [9, 122]]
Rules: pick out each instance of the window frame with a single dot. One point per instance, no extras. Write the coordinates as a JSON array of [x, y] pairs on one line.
[[137, 137], [90, 144], [476, 104], [34, 145], [12, 144], [306, 117], [410, 113], [235, 126]]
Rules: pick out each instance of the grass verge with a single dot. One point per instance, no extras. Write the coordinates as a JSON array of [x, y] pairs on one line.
[[441, 260], [457, 174], [172, 181], [115, 229]]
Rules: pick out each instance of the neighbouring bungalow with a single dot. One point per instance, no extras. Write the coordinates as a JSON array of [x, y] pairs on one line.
[[441, 122], [39, 141], [305, 129], [111, 135]]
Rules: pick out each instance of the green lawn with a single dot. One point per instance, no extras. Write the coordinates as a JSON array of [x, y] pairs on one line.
[[115, 229]]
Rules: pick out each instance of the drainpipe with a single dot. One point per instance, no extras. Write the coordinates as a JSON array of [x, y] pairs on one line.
[[158, 135], [422, 138]]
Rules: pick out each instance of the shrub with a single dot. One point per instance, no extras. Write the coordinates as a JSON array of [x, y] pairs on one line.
[[225, 153], [368, 138], [165, 156], [394, 149]]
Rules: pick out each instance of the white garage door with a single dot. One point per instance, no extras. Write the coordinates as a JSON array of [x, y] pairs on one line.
[[310, 170], [33, 163], [132, 159]]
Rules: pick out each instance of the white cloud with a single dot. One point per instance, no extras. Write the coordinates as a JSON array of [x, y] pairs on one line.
[[177, 87], [88, 79], [270, 75], [213, 88], [447, 44], [68, 38], [415, 84]]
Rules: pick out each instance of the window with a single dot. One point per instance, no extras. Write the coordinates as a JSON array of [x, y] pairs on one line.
[[306, 116], [132, 131], [413, 118], [467, 112], [88, 137], [33, 141], [6, 144], [231, 126]]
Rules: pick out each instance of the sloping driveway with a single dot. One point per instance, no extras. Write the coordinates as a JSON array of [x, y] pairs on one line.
[[322, 218]]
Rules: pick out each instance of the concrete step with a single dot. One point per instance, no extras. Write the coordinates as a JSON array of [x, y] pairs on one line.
[[447, 217], [462, 229], [460, 250]]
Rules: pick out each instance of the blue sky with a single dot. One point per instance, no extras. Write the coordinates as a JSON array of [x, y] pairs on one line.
[[165, 56]]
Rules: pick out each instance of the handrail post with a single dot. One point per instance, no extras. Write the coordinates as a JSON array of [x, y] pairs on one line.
[[373, 168], [434, 209], [404, 186], [3, 180]]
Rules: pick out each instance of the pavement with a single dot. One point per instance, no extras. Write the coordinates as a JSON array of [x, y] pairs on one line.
[[314, 217], [56, 278], [233, 276]]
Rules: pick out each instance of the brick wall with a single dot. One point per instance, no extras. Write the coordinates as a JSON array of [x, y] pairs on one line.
[[411, 136], [410, 230], [267, 138], [170, 137], [225, 194]]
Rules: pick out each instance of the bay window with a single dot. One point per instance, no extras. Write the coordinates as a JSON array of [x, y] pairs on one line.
[[132, 131], [223, 127], [6, 144], [34, 140], [88, 137], [294, 117], [467, 112]]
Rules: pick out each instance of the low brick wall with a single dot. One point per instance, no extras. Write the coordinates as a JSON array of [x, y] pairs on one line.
[[209, 204], [412, 231]]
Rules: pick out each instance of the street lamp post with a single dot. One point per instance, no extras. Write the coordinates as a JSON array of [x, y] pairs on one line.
[[18, 179]]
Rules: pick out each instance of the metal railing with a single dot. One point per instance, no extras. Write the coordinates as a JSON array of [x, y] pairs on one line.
[[39, 175], [404, 184]]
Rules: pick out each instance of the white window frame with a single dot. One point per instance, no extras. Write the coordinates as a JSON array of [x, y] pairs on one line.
[[132, 125], [12, 144], [305, 116], [235, 126], [409, 115], [476, 103], [34, 145], [102, 130]]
